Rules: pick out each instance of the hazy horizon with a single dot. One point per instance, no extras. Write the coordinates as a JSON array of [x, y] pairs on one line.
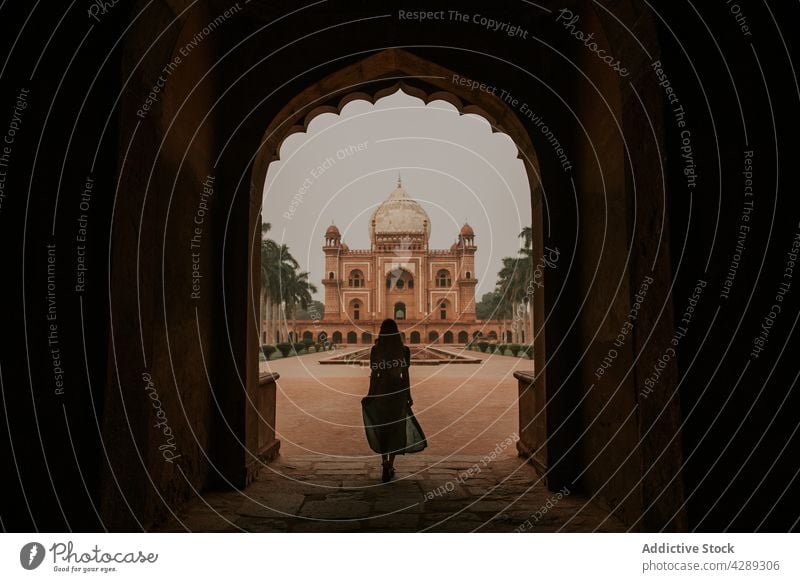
[[345, 165]]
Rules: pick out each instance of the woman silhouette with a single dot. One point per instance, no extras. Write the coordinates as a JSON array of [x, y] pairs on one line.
[[388, 421]]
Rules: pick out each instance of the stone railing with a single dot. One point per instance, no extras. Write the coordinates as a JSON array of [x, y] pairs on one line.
[[267, 446], [358, 251], [532, 443]]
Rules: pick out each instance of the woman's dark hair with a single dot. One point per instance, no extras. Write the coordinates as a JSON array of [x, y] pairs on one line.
[[389, 335]]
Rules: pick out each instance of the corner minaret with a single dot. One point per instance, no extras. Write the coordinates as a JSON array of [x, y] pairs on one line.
[[467, 282], [332, 278]]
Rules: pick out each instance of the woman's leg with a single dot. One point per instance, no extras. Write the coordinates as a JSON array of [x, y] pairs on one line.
[[390, 459]]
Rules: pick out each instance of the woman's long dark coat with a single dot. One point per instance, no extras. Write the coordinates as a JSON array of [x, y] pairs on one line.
[[388, 420]]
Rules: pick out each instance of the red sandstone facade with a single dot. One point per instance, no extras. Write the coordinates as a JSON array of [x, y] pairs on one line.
[[431, 293]]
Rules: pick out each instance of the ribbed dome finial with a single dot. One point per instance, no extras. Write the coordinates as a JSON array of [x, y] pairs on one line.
[[399, 214]]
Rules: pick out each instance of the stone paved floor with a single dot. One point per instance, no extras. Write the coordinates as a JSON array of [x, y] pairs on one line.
[[328, 480], [463, 408], [318, 493]]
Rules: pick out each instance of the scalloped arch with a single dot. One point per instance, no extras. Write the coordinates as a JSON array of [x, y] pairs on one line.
[[378, 76]]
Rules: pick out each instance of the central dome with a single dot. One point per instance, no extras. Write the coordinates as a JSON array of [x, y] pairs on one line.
[[399, 214]]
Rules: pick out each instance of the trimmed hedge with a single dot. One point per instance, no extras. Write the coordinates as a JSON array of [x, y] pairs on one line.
[[515, 348], [284, 348], [268, 350], [482, 345]]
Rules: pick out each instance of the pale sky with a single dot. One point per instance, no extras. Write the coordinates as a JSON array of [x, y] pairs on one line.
[[452, 164]]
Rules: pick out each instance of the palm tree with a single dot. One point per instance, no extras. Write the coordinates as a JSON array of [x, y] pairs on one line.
[[267, 251], [511, 287], [297, 290], [527, 240], [527, 268], [513, 282], [277, 266]]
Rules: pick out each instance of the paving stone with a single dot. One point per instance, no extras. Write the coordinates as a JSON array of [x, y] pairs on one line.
[[445, 506], [335, 509], [435, 489], [272, 505], [440, 516], [404, 476], [457, 466], [407, 505], [480, 482], [341, 465], [454, 525], [291, 465], [489, 506], [358, 501], [343, 472], [478, 491], [341, 495], [360, 485], [515, 517]]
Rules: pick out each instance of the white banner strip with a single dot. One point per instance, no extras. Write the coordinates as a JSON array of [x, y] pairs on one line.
[[390, 557]]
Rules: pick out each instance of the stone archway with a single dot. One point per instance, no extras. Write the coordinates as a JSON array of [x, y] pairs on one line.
[[399, 311], [227, 419], [550, 396], [383, 74]]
